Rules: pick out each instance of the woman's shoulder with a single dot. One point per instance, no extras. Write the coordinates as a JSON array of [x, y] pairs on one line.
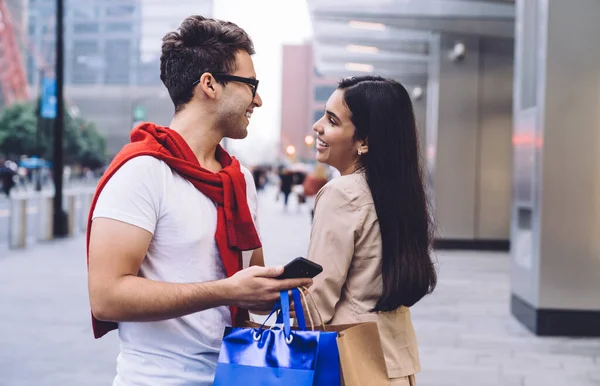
[[351, 189]]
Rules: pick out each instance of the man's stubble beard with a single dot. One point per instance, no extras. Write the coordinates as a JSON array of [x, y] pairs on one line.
[[234, 125]]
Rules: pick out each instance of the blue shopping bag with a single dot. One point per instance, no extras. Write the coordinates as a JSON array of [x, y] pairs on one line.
[[328, 370], [261, 356]]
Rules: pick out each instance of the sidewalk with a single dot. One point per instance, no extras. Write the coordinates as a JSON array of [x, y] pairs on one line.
[[466, 334], [45, 331]]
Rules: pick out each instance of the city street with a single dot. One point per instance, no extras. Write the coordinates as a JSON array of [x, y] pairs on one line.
[[32, 210], [466, 334]]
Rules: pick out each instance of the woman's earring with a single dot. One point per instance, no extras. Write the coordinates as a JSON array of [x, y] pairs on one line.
[[359, 152]]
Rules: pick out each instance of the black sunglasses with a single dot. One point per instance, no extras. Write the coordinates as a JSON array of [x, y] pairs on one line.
[[251, 81]]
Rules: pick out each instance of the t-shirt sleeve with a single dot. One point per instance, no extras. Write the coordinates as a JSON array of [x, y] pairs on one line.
[[132, 195], [252, 196]]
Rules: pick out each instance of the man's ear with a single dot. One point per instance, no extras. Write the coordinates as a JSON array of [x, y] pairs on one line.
[[207, 85]]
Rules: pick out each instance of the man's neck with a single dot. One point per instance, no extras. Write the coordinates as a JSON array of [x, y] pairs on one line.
[[200, 136]]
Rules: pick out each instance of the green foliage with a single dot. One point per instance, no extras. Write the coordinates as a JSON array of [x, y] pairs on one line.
[[93, 149], [18, 125], [83, 144]]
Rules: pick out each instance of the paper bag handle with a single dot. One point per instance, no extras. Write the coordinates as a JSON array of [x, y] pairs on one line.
[[312, 299]]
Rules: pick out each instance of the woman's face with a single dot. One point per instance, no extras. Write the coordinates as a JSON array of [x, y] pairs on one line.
[[335, 136]]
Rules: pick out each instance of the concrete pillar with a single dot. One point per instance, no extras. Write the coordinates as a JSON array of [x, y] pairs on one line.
[[555, 265]]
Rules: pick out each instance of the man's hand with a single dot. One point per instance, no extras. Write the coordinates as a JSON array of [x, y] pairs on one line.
[[256, 288]]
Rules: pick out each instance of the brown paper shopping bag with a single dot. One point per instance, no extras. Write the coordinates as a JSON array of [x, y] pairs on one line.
[[361, 355], [360, 350]]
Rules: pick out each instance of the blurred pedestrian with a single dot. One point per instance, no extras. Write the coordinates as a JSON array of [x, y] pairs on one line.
[[372, 230], [173, 213], [259, 174], [256, 174], [286, 182], [312, 184], [7, 177]]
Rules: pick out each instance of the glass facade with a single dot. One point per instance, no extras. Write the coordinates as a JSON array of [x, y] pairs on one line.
[[102, 40]]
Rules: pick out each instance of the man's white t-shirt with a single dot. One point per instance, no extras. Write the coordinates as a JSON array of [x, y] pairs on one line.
[[147, 193]]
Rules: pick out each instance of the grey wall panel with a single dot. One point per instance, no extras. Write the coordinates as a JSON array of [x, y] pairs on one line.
[[469, 133], [494, 176], [456, 148]]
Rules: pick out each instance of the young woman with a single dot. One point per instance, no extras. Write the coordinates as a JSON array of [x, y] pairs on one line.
[[372, 230]]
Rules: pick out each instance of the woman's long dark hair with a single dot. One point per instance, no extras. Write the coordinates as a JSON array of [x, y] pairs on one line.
[[382, 113]]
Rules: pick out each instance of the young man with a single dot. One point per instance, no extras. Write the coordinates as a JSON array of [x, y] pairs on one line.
[[173, 214]]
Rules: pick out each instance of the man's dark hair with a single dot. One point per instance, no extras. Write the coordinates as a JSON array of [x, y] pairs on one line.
[[199, 45]]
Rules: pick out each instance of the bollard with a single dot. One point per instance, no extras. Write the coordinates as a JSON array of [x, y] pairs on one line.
[[45, 216], [71, 212], [17, 232], [86, 202]]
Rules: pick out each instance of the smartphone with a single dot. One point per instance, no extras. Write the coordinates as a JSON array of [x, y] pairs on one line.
[[300, 268]]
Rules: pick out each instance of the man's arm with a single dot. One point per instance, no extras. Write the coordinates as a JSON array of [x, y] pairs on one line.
[[258, 258], [117, 294]]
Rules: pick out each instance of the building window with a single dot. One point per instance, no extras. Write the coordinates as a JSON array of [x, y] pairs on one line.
[[118, 27], [323, 92], [120, 10], [117, 69], [32, 69], [84, 14], [85, 28], [85, 53]]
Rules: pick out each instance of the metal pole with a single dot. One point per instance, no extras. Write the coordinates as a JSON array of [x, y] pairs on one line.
[[60, 217], [38, 145]]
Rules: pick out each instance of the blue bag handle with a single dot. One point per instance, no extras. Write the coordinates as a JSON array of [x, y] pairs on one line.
[[275, 309], [299, 310], [285, 310], [283, 304], [258, 332]]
